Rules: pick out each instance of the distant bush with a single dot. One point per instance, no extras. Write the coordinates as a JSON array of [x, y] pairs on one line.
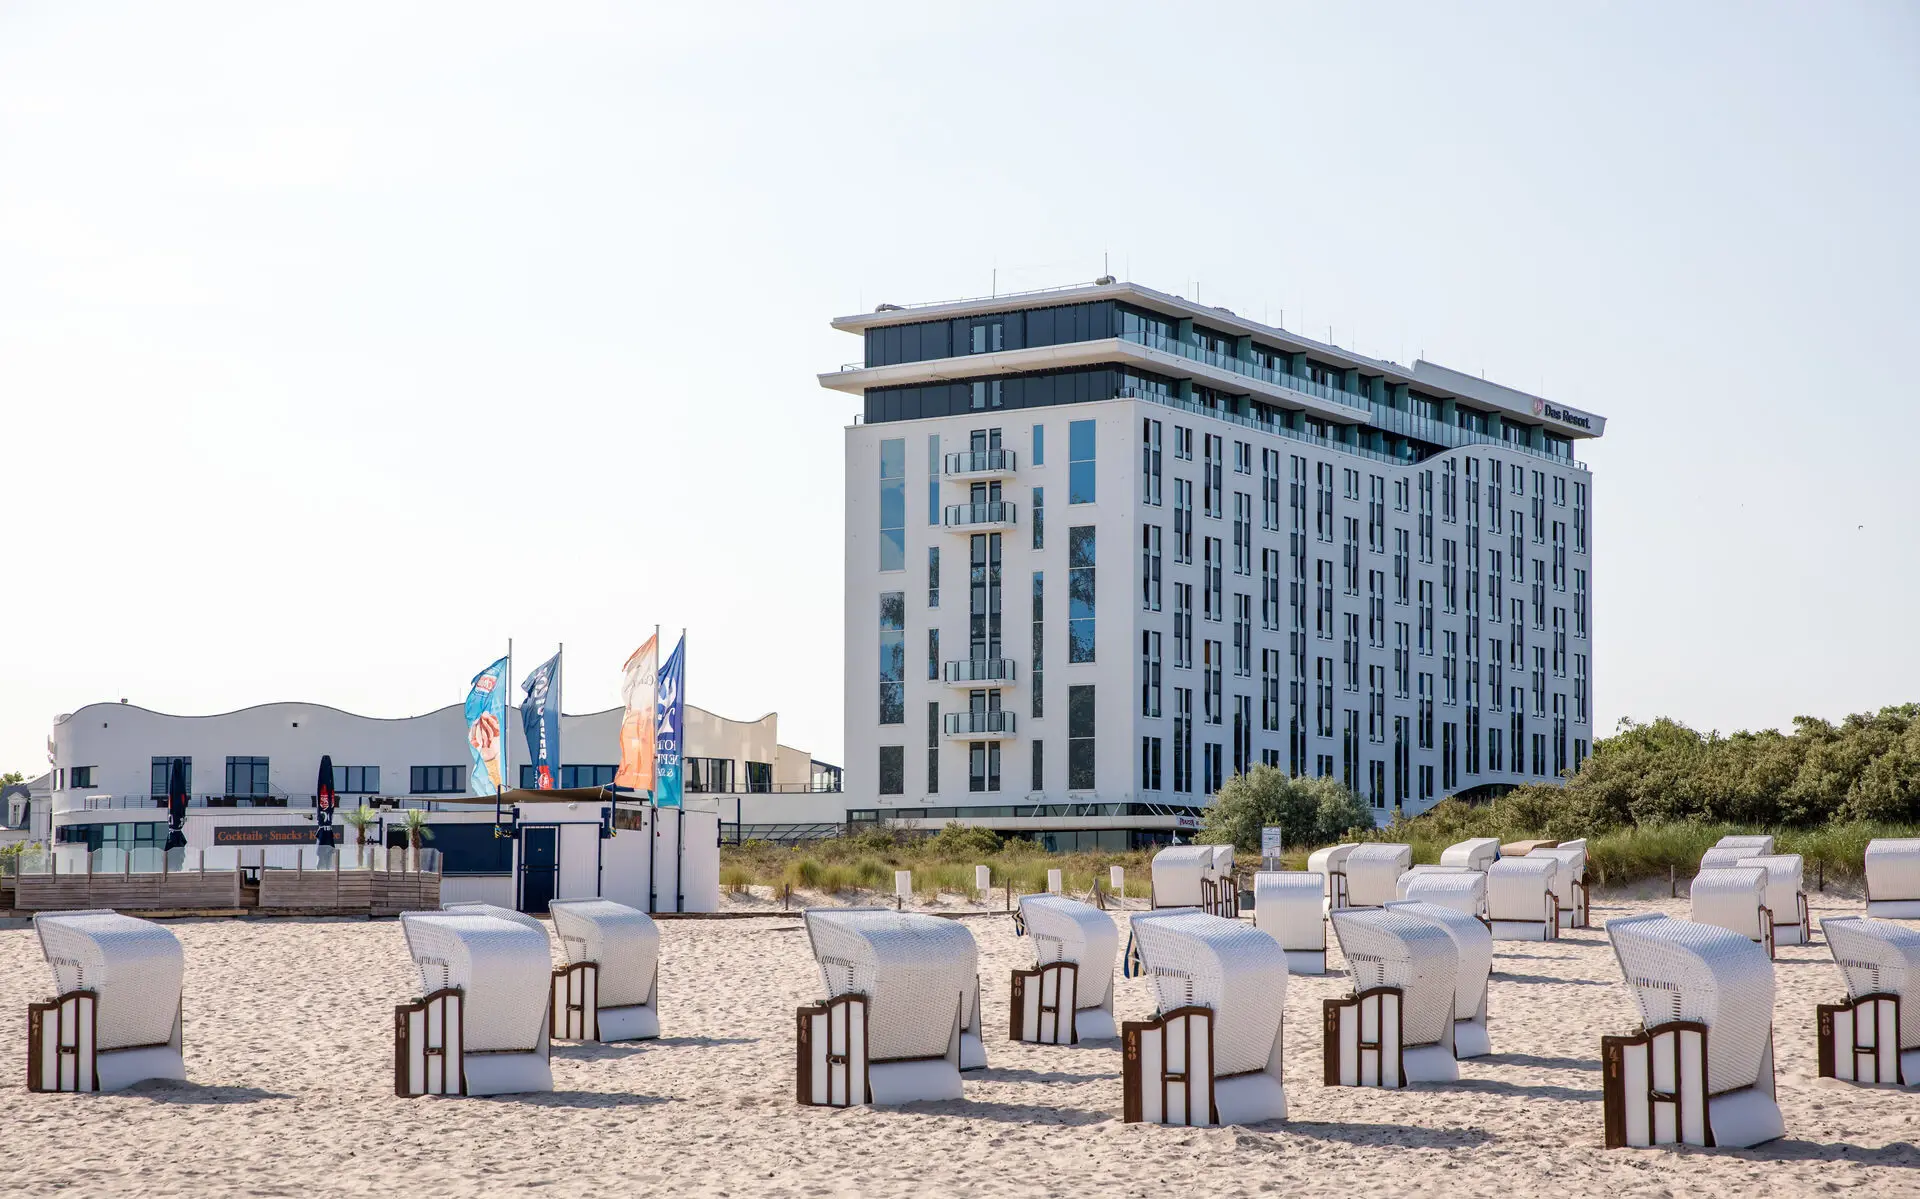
[[1308, 811]]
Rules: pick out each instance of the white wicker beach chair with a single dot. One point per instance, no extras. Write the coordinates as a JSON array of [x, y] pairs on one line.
[[1734, 898], [1475, 853], [1291, 906], [1756, 845], [1874, 1037], [114, 1019], [480, 1024], [1331, 865], [1226, 891], [1465, 891], [1522, 903], [1786, 897], [1404, 973], [1893, 878], [1475, 946], [1181, 876], [1719, 857], [1570, 881], [901, 1016], [1068, 995], [1212, 1052], [477, 907], [1699, 1071], [1373, 873], [609, 988]]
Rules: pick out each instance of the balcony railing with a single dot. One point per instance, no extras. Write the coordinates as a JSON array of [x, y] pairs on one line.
[[979, 670], [980, 462], [1251, 370], [979, 724], [991, 512]]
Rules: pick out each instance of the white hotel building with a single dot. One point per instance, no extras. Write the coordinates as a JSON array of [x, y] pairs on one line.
[[1107, 547]]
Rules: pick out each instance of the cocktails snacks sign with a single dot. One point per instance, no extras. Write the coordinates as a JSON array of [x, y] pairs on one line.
[[264, 834]]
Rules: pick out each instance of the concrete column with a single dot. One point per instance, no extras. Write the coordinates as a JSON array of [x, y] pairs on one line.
[[1446, 411], [1398, 397], [1243, 349], [1495, 426]]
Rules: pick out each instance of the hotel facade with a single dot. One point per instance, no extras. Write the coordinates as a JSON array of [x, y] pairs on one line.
[[1107, 547]]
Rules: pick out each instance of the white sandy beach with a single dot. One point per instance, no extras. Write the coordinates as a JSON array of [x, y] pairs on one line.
[[289, 1046]]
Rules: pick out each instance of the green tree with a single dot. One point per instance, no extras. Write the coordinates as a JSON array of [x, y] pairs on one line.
[[11, 777], [1309, 811]]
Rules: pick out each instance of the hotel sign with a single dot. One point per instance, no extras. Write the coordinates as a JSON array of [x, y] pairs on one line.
[[1566, 416], [263, 834]]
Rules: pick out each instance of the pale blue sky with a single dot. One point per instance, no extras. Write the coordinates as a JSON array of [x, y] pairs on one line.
[[340, 343]]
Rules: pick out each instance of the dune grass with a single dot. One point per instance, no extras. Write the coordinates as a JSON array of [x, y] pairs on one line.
[[942, 864]]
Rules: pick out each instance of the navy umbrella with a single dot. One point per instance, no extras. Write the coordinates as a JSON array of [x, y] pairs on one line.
[[324, 802], [177, 805]]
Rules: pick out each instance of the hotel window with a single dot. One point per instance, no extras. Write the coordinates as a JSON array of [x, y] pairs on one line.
[[425, 780], [1269, 589], [893, 657], [1449, 490], [1210, 767], [986, 335], [1080, 738], [1426, 617], [1183, 625], [984, 394], [933, 479], [933, 576], [1559, 555], [1182, 521], [1376, 703], [1376, 514], [1473, 741], [1449, 577], [162, 768], [893, 504], [1579, 518], [1539, 594], [1402, 664], [354, 780], [983, 766], [1350, 750], [1150, 462], [248, 776], [1350, 651], [1183, 443], [1580, 688], [1323, 496], [1242, 458], [1039, 445], [1450, 669], [1212, 667], [1242, 533], [1560, 643], [1243, 635], [933, 748], [1323, 697], [1210, 482], [1350, 557], [1402, 761], [1039, 766], [1426, 710], [1039, 518], [893, 770], [1579, 603], [1150, 567], [1149, 673], [1183, 740], [80, 776], [1080, 470], [1377, 784], [600, 776], [1402, 569], [1269, 690], [1039, 642], [1149, 763], [1080, 593], [1210, 578], [1270, 489], [933, 653], [1242, 733], [1323, 599]]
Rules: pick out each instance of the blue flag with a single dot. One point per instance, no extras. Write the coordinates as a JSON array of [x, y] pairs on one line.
[[669, 718], [540, 719], [486, 718]]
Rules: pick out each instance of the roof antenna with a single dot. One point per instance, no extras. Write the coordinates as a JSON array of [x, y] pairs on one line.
[[996, 281]]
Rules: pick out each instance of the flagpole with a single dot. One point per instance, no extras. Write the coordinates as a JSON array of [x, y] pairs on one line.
[[653, 784], [506, 726], [559, 712]]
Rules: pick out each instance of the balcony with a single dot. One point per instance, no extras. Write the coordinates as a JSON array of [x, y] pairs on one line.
[[980, 464], [987, 517], [979, 726], [974, 672]]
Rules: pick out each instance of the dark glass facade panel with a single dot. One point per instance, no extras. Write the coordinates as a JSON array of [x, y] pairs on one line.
[[1041, 389], [957, 337]]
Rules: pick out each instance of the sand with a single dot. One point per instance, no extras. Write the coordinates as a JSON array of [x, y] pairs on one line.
[[289, 1046]]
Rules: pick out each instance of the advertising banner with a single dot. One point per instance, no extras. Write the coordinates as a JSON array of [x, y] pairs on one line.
[[540, 719], [486, 718], [669, 722], [636, 726]]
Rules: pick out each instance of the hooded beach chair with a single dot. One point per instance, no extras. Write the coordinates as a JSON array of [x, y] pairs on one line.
[[114, 1019], [1569, 881], [608, 988], [479, 907], [1893, 878], [1756, 844], [1291, 906], [1786, 897], [900, 1020], [1397, 1025], [1522, 904], [1068, 995], [1465, 891], [1874, 1037], [1699, 1070], [1373, 873], [1475, 853], [480, 1024], [1719, 857], [1734, 898], [1182, 876], [1212, 1052], [1331, 865], [1475, 946], [1225, 899]]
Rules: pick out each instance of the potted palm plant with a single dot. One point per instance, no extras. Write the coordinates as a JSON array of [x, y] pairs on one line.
[[360, 819], [414, 827]]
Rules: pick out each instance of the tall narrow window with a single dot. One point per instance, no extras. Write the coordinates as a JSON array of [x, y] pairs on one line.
[[1039, 445], [1039, 518], [1149, 673], [1080, 593], [893, 657], [1150, 462], [933, 576], [893, 770], [893, 504], [1080, 470], [933, 653], [1037, 673], [933, 748], [933, 479], [1150, 567], [1039, 766], [1080, 738]]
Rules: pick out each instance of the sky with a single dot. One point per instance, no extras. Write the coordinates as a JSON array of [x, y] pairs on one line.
[[341, 343]]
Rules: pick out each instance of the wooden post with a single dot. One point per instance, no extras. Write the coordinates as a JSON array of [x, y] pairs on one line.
[[1673, 890], [1821, 867]]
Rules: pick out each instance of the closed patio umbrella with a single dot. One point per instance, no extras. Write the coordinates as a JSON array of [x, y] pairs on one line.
[[177, 805], [323, 802]]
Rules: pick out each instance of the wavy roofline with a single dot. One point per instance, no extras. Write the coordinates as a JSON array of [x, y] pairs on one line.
[[64, 717]]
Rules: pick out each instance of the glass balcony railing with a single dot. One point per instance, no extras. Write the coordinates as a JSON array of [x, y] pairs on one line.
[[979, 724], [1252, 370], [979, 670], [991, 512], [979, 462]]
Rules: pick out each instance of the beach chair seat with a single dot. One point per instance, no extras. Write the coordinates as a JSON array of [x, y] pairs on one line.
[[1522, 904], [1475, 853], [1786, 897], [480, 1026], [1463, 890], [1874, 1037], [114, 1019], [1397, 1026], [608, 989], [1893, 878], [1330, 864], [1474, 944], [1734, 898], [1290, 905], [1212, 1052], [900, 1019], [1569, 881], [1067, 997], [1699, 1070], [1373, 873]]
